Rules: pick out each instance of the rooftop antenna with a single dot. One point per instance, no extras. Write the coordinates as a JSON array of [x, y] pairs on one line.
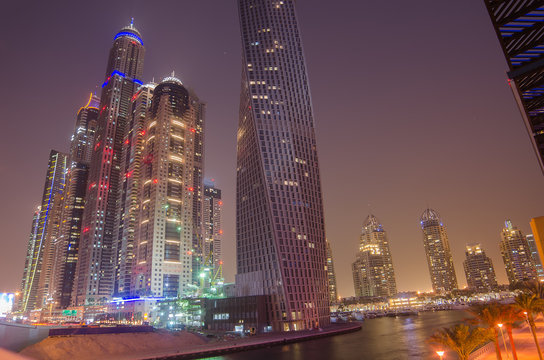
[[131, 22], [173, 73]]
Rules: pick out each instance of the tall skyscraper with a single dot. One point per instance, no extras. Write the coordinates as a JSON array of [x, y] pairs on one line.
[[212, 232], [95, 274], [437, 249], [516, 254], [535, 256], [517, 24], [129, 205], [373, 273], [331, 275], [25, 282], [280, 231], [40, 240], [67, 244], [167, 186], [479, 269]]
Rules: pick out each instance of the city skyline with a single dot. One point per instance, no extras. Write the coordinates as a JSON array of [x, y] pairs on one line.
[[340, 231]]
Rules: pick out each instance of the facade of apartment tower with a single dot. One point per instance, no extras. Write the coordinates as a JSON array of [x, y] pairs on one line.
[[479, 269], [516, 254], [280, 231]]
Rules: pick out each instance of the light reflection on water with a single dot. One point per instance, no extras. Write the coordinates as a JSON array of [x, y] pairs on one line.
[[380, 339]]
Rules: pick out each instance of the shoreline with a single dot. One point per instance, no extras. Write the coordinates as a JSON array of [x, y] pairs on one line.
[[257, 342]]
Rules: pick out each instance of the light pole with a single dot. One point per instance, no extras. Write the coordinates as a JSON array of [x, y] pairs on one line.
[[440, 353], [503, 341]]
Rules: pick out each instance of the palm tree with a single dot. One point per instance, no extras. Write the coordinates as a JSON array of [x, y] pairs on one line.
[[510, 317], [531, 287], [462, 339], [488, 315], [529, 304]]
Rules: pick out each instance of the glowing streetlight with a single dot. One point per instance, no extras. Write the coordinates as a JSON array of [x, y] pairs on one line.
[[440, 353], [503, 341]]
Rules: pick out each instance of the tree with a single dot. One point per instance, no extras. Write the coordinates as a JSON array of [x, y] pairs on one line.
[[529, 304], [488, 315], [510, 317], [531, 287], [462, 339]]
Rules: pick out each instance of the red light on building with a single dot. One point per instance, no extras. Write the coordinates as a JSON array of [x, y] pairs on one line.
[[86, 230], [189, 252], [126, 142], [221, 231], [142, 132], [220, 262], [191, 189], [220, 202], [155, 181]]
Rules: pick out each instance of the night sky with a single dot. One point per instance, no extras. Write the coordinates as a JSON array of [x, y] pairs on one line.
[[411, 103]]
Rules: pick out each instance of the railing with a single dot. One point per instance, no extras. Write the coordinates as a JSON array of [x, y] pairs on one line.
[[484, 350]]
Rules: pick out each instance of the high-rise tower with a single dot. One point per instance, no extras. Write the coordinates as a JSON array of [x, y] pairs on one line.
[[518, 25], [479, 269], [129, 205], [164, 236], [373, 273], [437, 249], [212, 232], [333, 290], [280, 231], [39, 244], [535, 256], [516, 254], [96, 265], [67, 245]]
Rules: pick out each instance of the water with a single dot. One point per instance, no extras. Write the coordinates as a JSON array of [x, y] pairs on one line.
[[380, 339]]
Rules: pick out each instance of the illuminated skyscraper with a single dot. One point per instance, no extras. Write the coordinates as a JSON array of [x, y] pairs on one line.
[[535, 256], [373, 273], [516, 254], [41, 238], [95, 274], [129, 205], [280, 231], [479, 269], [25, 283], [167, 186], [331, 275], [212, 232], [67, 244], [437, 249], [518, 25]]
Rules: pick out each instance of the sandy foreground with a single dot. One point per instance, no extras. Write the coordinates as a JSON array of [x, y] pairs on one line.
[[110, 346]]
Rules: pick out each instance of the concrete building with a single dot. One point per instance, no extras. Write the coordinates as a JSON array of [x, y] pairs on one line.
[[331, 275], [437, 249], [479, 269], [163, 239], [373, 273], [280, 230], [516, 254], [96, 266]]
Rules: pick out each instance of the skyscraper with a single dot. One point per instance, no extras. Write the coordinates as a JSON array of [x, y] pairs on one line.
[[331, 275], [437, 249], [537, 227], [212, 232], [280, 231], [373, 273], [29, 261], [516, 254], [41, 237], [67, 245], [517, 24], [167, 186], [129, 205], [535, 256], [479, 269], [95, 274]]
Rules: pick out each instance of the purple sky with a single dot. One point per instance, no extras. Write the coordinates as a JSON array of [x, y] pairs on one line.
[[411, 103]]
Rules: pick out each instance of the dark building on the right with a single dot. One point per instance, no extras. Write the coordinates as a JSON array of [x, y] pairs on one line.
[[479, 269], [519, 27]]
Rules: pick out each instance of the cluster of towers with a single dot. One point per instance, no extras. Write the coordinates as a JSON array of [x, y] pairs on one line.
[[373, 274], [126, 212]]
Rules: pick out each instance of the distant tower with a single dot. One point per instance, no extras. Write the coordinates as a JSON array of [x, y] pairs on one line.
[[373, 273], [212, 232], [518, 25], [437, 249], [479, 269], [41, 242], [25, 283], [280, 231], [167, 186], [333, 291], [535, 256], [516, 254], [66, 245], [97, 257], [129, 205], [537, 227]]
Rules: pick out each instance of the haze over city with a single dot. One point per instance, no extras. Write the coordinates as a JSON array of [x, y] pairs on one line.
[[403, 122]]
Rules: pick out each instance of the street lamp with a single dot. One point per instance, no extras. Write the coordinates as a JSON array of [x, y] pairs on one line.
[[440, 353], [503, 340]]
